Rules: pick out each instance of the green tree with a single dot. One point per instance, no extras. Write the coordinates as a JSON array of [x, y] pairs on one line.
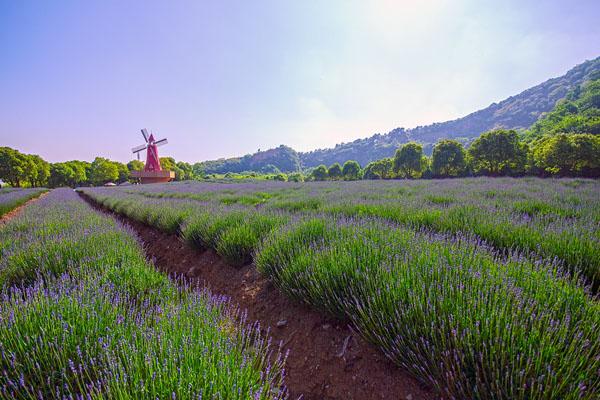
[[168, 163], [498, 152], [335, 171], [41, 171], [319, 173], [13, 166], [186, 172], [409, 161], [448, 159], [296, 177], [380, 169], [103, 171], [198, 169], [81, 172], [351, 170], [61, 174], [568, 155], [135, 165], [124, 173]]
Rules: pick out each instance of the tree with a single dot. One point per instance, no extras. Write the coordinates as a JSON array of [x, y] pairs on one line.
[[81, 172], [41, 171], [135, 165], [198, 170], [320, 173], [498, 152], [13, 166], [123, 171], [186, 172], [409, 161], [103, 171], [168, 163], [380, 169], [296, 177], [351, 170], [335, 171], [448, 159], [61, 174], [568, 155]]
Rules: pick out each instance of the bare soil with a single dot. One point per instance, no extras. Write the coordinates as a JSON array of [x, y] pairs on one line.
[[326, 360]]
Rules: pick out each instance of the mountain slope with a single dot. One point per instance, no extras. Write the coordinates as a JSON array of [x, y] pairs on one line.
[[515, 112]]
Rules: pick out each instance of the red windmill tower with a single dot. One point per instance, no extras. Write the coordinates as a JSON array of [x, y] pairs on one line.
[[152, 173]]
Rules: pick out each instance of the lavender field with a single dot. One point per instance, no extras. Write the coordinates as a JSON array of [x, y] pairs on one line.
[[481, 288], [84, 315], [12, 198]]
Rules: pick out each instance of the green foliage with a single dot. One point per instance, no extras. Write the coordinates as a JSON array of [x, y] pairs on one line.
[[70, 173], [409, 161], [296, 177], [351, 170], [135, 165], [568, 155], [281, 177], [320, 173], [184, 171], [448, 159], [498, 152], [381, 169], [103, 170], [335, 172], [20, 169], [580, 113], [283, 158]]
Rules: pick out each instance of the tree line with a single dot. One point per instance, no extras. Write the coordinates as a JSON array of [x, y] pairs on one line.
[[495, 153], [30, 170]]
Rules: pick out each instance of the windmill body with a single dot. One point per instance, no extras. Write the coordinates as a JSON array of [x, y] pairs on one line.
[[153, 172]]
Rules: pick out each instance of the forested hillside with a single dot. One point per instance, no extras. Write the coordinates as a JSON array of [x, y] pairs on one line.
[[516, 112]]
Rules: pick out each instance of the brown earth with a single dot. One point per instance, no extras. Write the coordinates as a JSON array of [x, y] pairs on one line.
[[326, 360]]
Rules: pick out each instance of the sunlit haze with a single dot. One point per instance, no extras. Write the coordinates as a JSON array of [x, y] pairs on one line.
[[79, 78]]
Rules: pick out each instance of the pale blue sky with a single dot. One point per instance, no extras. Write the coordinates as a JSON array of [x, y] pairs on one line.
[[224, 78]]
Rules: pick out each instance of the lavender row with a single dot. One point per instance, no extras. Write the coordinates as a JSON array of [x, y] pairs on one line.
[[13, 198], [83, 315]]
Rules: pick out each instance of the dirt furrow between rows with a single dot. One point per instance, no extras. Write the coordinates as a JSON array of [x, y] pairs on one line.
[[326, 360]]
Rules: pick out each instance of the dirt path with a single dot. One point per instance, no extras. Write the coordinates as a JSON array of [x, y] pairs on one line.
[[12, 213], [326, 359]]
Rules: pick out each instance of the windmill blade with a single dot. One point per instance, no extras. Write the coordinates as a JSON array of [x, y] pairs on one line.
[[138, 148], [145, 134], [161, 142]]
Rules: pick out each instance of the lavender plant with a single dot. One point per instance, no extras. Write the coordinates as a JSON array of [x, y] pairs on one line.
[[482, 288], [13, 198], [87, 317]]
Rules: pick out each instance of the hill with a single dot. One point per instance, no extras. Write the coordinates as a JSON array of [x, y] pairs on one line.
[[518, 112], [282, 158]]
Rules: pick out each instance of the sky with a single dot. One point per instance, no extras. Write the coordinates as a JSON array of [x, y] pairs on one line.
[[79, 79]]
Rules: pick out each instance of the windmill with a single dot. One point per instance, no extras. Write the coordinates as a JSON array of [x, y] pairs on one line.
[[152, 173]]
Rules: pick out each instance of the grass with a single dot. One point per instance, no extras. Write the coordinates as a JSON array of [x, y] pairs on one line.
[[84, 314]]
